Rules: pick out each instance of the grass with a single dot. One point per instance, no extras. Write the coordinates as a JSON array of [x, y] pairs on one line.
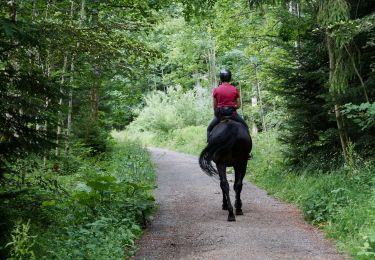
[[190, 139]]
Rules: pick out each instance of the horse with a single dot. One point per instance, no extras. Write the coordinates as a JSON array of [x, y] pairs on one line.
[[229, 145]]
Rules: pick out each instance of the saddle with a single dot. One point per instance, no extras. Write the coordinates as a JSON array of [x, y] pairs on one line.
[[225, 118]]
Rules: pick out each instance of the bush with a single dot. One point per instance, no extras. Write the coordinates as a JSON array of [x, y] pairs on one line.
[[21, 242], [165, 112]]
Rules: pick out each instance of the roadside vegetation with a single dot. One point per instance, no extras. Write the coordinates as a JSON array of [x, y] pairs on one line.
[[93, 208], [69, 74]]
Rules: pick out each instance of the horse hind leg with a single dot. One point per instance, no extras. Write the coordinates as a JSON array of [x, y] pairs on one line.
[[222, 171], [225, 189], [239, 175], [225, 203], [238, 202]]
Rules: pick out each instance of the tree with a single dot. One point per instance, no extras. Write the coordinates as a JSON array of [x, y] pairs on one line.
[[56, 59]]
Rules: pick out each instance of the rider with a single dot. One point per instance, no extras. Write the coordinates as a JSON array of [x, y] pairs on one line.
[[226, 100]]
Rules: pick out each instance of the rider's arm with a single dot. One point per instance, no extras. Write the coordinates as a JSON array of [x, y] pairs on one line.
[[214, 102], [238, 103]]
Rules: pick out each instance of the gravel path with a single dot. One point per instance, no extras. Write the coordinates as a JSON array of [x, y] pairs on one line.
[[190, 223]]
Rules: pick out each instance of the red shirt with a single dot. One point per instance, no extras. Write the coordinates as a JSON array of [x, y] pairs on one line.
[[226, 95]]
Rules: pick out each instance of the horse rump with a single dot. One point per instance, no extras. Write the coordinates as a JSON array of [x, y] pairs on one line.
[[220, 143]]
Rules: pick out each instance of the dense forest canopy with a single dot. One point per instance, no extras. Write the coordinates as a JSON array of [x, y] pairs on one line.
[[72, 71]]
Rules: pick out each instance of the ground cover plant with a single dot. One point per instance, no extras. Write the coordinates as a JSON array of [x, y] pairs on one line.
[[94, 212]]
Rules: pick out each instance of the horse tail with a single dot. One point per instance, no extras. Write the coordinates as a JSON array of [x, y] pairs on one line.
[[205, 159], [219, 145]]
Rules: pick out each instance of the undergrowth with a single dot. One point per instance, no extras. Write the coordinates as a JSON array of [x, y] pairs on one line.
[[96, 210]]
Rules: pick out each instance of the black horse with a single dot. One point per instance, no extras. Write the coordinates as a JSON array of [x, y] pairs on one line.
[[229, 145]]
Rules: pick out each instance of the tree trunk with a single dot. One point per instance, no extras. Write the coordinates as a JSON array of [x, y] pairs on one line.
[[295, 9], [48, 74], [33, 15], [59, 123], [358, 75], [70, 108], [212, 65], [13, 10], [342, 132], [260, 99], [70, 103], [82, 16], [339, 119], [95, 103]]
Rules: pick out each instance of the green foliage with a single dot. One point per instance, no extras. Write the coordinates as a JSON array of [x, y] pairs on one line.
[[96, 210], [28, 98], [190, 139], [93, 135], [302, 74], [175, 109], [309, 130], [333, 11], [367, 251], [57, 64], [323, 203], [267, 154], [106, 238], [176, 119], [363, 115], [21, 242], [184, 49], [196, 8]]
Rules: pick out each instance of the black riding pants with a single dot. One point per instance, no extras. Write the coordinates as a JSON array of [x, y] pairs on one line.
[[216, 121]]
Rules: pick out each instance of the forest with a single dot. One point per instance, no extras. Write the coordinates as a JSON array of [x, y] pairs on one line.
[[86, 86]]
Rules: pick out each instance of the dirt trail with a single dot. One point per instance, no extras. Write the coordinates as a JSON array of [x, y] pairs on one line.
[[191, 225]]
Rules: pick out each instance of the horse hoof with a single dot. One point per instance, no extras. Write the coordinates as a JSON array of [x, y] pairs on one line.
[[231, 218], [225, 207], [239, 212]]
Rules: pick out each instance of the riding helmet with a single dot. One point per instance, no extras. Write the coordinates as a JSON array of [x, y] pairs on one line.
[[225, 75]]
